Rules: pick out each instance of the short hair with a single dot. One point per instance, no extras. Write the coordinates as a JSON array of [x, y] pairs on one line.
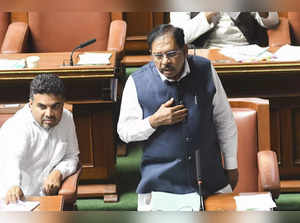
[[47, 84], [162, 29]]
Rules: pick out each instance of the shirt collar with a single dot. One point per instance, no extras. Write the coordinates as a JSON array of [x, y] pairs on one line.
[[186, 71]]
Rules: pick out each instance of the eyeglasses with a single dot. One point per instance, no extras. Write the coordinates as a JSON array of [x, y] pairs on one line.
[[169, 54]]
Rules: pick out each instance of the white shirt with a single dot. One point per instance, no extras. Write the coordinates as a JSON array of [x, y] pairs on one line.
[[29, 152], [225, 34]]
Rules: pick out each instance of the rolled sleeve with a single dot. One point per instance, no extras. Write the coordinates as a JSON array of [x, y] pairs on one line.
[[269, 22], [69, 163], [192, 27]]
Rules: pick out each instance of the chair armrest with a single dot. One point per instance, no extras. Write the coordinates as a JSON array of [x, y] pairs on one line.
[[268, 172], [117, 37], [16, 37], [69, 188], [280, 35]]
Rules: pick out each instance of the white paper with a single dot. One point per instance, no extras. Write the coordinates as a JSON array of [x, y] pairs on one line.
[[6, 64], [11, 105], [288, 53], [252, 201], [249, 53], [163, 201], [19, 206], [94, 58]]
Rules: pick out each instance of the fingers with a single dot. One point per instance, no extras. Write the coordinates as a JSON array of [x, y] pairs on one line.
[[13, 195], [179, 116], [50, 189], [169, 102]]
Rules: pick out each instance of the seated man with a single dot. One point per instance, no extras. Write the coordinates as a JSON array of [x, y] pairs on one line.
[[223, 29], [39, 147], [177, 105]]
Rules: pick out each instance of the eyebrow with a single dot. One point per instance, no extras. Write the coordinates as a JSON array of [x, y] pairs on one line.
[[52, 106]]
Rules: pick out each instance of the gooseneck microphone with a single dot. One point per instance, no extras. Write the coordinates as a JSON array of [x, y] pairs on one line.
[[199, 178], [79, 47]]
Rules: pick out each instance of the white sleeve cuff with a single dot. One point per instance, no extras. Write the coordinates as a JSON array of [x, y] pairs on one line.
[[270, 22], [230, 163]]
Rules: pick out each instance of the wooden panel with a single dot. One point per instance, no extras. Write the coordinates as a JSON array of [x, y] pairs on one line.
[[286, 136], [275, 133], [84, 135], [296, 136], [96, 139], [139, 24]]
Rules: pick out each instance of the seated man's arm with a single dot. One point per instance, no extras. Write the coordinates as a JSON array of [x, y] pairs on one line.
[[193, 27], [67, 165], [226, 130], [267, 20], [14, 144]]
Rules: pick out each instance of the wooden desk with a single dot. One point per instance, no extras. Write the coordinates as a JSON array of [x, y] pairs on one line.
[[277, 81], [220, 202], [88, 90], [223, 202], [48, 203]]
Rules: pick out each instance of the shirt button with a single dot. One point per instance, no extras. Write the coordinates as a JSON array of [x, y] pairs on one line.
[[189, 157], [188, 139]]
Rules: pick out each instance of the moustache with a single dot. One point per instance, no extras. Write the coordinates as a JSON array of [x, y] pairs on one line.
[[167, 68]]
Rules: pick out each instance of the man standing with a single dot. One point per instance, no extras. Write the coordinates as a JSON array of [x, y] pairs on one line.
[[39, 147], [177, 105]]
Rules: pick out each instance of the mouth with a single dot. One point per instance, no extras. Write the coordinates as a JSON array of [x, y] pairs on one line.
[[48, 121], [167, 70]]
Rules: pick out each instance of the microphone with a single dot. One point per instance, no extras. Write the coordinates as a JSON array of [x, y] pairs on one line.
[[199, 178], [79, 47]]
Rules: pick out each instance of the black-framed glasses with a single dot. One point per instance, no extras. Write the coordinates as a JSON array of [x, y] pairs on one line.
[[169, 54]]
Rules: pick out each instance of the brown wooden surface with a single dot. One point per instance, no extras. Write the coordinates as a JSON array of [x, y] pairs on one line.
[[277, 81], [48, 203], [108, 191], [287, 186], [222, 202], [93, 114]]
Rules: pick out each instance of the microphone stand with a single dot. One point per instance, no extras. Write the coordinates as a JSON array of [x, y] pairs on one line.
[[79, 47], [199, 179]]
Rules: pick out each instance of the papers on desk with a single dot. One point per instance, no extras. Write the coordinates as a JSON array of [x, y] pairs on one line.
[[249, 53], [19, 206], [256, 202], [163, 201], [6, 64], [94, 58], [288, 53]]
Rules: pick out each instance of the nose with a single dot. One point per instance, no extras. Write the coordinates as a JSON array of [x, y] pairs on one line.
[[49, 112], [165, 59]]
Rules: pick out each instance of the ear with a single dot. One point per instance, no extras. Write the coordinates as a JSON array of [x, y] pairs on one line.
[[185, 50], [30, 102]]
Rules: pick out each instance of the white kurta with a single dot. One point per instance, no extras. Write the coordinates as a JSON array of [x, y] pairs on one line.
[[28, 152]]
